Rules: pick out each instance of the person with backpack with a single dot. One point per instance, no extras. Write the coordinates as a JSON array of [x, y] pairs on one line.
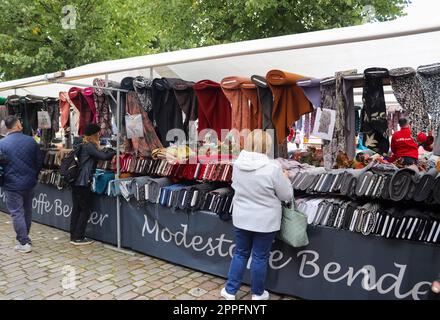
[[88, 154], [22, 160]]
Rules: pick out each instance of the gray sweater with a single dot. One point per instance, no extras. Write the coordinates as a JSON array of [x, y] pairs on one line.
[[259, 186]]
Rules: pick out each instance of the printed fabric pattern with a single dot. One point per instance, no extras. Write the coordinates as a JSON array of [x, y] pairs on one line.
[[374, 119], [408, 91]]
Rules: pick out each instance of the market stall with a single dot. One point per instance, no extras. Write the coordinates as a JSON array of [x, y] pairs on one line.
[[169, 196]]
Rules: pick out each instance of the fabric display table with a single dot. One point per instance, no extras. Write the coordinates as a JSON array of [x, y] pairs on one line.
[[337, 264]]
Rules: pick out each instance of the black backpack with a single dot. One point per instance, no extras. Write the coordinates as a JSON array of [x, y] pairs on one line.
[[70, 166]]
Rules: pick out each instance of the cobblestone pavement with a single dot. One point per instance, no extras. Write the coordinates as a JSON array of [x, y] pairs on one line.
[[100, 272]]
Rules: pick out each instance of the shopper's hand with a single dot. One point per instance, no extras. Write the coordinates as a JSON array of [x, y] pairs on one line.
[[435, 287], [286, 173]]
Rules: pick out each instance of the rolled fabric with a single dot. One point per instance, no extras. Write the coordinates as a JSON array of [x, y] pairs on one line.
[[214, 108], [436, 190], [424, 186], [429, 77], [187, 100], [400, 184], [348, 186], [312, 90], [265, 99], [375, 123], [241, 117], [289, 101], [408, 91], [166, 109], [154, 188], [256, 110], [363, 183]]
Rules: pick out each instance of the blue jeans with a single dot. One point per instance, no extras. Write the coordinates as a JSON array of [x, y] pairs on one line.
[[19, 204], [260, 244]]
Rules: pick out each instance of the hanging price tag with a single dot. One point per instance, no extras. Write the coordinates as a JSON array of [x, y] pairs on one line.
[[134, 126], [324, 124], [44, 121]]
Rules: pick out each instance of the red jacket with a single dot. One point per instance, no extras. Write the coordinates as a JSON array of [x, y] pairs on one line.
[[403, 145]]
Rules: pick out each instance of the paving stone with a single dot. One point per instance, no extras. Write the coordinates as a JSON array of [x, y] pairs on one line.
[[153, 293], [185, 297], [100, 273], [123, 290]]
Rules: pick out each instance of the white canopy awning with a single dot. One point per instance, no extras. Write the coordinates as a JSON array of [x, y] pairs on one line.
[[399, 43]]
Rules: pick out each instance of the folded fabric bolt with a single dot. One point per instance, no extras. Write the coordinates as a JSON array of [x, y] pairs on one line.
[[125, 188], [348, 186], [424, 186], [436, 190], [138, 187], [400, 184], [154, 188], [101, 180], [165, 193], [363, 183], [114, 190]]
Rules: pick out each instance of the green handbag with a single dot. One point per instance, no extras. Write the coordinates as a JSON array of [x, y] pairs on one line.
[[293, 226]]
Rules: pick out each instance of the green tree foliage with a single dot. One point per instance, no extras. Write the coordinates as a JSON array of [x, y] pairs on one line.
[[33, 40], [192, 23]]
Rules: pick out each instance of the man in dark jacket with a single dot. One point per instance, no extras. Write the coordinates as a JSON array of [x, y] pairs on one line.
[[24, 162]]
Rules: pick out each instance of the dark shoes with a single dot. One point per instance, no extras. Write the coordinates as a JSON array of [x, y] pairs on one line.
[[81, 242]]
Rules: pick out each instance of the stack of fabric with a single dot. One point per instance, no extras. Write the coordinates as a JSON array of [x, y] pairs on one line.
[[219, 201], [52, 177], [379, 181], [388, 221], [100, 180]]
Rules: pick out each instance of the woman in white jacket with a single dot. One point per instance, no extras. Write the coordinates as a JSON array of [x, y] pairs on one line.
[[260, 186]]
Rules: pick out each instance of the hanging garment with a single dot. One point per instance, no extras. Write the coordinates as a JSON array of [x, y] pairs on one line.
[[85, 113], [350, 118], [357, 117], [265, 99], [328, 101], [144, 88], [394, 113], [312, 90], [214, 107], [88, 94], [166, 110], [3, 115], [289, 101], [374, 122], [241, 116], [64, 109], [103, 115], [25, 108], [256, 113], [408, 91], [342, 133], [187, 101], [143, 145], [52, 106], [429, 77], [126, 84]]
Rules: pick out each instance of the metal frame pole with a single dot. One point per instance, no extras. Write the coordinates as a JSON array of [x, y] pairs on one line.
[[118, 172]]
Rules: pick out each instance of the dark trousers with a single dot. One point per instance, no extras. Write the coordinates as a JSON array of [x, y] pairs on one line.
[[81, 197], [19, 204]]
